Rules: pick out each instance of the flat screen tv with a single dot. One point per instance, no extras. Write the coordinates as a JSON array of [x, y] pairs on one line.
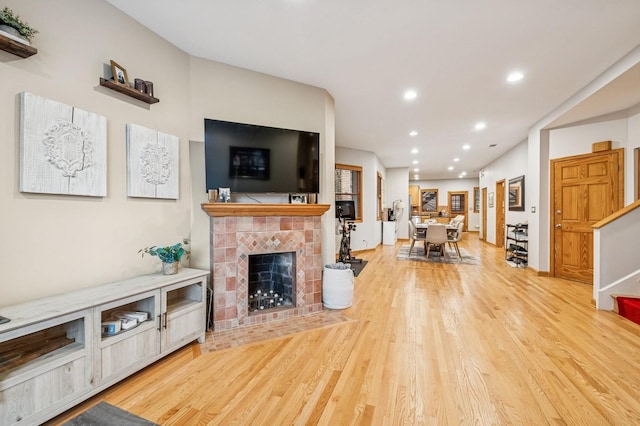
[[346, 209], [248, 158]]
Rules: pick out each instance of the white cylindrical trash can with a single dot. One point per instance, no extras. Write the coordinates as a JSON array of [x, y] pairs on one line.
[[337, 286]]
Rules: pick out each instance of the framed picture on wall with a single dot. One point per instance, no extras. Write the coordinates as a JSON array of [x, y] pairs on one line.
[[516, 194], [490, 199]]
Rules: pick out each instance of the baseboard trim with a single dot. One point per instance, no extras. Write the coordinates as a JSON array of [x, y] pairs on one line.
[[540, 273], [364, 250]]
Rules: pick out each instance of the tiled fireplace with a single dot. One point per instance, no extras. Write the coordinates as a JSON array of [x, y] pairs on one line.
[[239, 232]]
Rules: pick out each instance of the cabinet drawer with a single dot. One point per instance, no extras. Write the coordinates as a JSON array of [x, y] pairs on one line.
[[128, 351], [183, 327], [22, 402]]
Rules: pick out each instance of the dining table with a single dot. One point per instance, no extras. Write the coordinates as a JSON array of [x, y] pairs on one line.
[[450, 227]]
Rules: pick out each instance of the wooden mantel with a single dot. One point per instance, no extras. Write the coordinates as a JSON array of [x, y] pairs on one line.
[[258, 209]]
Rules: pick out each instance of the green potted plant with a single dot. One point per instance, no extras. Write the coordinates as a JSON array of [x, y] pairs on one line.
[[12, 24], [169, 255]]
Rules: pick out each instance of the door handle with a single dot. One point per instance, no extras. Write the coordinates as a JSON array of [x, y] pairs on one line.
[[159, 322], [165, 320], [558, 225]]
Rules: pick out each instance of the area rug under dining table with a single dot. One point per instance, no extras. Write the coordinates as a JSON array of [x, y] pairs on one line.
[[418, 254]]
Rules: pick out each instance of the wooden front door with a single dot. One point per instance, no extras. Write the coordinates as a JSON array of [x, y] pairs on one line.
[[484, 214], [585, 189], [500, 213]]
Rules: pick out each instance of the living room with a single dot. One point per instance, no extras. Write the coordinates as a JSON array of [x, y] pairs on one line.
[[61, 243], [191, 89]]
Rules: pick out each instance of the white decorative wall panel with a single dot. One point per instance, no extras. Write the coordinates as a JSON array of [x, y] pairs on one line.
[[63, 150], [152, 163]]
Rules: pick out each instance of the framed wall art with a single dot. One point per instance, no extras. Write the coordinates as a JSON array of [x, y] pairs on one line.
[[152, 163], [63, 149], [516, 194], [490, 199]]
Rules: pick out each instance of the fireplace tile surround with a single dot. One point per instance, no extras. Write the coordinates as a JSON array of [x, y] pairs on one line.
[[234, 238]]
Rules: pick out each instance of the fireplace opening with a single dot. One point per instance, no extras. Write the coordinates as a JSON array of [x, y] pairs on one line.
[[272, 281]]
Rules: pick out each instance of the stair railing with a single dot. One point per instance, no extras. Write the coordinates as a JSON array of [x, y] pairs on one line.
[[616, 257]]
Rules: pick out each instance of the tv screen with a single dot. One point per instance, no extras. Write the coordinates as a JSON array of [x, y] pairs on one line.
[[346, 210], [257, 159]]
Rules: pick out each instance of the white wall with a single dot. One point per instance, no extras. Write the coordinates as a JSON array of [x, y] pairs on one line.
[[577, 140], [397, 188], [59, 243], [511, 165], [538, 160], [368, 233], [622, 132], [631, 166], [223, 92], [445, 186], [62, 243]]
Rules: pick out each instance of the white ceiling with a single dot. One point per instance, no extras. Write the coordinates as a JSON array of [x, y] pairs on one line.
[[456, 54]]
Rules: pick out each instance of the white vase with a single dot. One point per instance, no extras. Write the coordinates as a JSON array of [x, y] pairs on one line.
[[170, 268]]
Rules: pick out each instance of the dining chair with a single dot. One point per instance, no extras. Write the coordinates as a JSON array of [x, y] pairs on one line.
[[455, 237], [455, 220], [416, 234], [437, 236]]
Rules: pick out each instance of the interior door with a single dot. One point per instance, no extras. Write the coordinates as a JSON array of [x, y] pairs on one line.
[[458, 203], [586, 189], [500, 213], [484, 214]]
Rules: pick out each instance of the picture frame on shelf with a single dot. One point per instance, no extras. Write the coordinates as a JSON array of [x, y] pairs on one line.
[[225, 194], [119, 74], [297, 198]]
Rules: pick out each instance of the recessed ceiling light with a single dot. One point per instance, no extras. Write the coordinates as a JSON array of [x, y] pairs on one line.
[[481, 125], [415, 161], [410, 95], [416, 170], [463, 173], [450, 168], [456, 159], [465, 147], [460, 176], [414, 151], [413, 133], [515, 76], [415, 177]]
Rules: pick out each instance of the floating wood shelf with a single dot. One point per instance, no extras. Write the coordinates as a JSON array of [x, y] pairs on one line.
[[129, 91], [16, 48], [241, 209]]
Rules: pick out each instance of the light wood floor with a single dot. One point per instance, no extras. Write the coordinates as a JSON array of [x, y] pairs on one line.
[[430, 344]]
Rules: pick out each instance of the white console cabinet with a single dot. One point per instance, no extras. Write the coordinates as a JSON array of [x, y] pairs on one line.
[[53, 354], [389, 233]]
